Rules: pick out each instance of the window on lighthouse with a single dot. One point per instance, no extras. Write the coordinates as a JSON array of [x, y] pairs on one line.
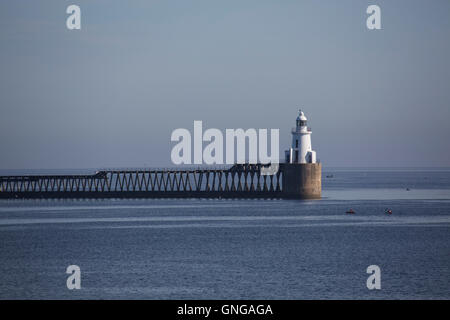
[[296, 143]]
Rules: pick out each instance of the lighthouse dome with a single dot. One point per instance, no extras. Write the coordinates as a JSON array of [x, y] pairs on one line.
[[301, 116]]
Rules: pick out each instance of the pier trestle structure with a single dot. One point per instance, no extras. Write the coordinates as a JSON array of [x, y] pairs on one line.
[[292, 181]]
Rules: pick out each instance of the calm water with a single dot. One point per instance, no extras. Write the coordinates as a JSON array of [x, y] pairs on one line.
[[236, 249]]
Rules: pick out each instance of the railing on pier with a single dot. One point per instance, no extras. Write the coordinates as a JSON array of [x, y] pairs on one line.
[[241, 180]]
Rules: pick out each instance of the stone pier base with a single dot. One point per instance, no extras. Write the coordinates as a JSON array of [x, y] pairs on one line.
[[302, 180]]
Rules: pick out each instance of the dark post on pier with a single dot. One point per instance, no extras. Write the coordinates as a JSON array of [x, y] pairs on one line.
[[292, 181]]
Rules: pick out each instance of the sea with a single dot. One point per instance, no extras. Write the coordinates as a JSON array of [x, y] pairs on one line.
[[238, 249]]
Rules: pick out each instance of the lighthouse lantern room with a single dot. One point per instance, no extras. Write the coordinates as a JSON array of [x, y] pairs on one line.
[[301, 150]]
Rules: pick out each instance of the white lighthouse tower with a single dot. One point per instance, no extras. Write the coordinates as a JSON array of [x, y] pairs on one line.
[[301, 150]]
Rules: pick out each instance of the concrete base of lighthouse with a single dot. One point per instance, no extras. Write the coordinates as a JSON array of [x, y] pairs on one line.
[[302, 180]]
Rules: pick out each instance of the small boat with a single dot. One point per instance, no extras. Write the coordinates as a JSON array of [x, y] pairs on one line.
[[407, 189], [388, 211], [351, 211]]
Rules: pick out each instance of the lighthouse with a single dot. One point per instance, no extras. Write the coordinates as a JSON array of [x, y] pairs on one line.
[[302, 172], [301, 150]]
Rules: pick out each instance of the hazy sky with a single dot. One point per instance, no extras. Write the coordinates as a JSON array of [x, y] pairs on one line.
[[110, 94]]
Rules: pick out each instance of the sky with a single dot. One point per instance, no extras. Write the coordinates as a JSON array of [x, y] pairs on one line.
[[110, 95]]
